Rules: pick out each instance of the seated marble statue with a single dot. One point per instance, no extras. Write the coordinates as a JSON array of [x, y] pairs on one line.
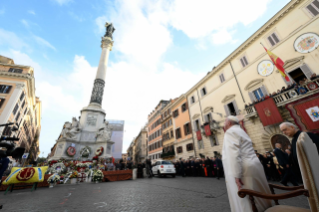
[[104, 133], [70, 131]]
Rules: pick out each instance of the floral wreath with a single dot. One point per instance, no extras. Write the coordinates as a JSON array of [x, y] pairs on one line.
[[70, 151], [56, 165], [85, 154], [99, 151]]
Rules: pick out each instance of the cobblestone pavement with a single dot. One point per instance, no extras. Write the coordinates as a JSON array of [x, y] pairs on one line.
[[156, 194]]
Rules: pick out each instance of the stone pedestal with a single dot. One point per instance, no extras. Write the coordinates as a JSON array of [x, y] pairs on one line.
[[134, 174]]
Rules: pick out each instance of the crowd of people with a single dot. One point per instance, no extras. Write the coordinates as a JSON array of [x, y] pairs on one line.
[[294, 86]]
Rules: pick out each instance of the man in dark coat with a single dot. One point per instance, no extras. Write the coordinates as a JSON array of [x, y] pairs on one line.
[[139, 170], [149, 168], [182, 169], [192, 166], [208, 164], [283, 161], [4, 162], [219, 167], [197, 168], [292, 131], [177, 167]]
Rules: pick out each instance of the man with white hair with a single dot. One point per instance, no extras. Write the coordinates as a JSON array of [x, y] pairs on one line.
[[292, 131], [242, 168]]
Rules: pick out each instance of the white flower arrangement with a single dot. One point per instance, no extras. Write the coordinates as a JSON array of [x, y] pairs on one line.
[[54, 178], [98, 175], [82, 165]]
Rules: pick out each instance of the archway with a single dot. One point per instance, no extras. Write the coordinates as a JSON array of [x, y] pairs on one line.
[[278, 138]]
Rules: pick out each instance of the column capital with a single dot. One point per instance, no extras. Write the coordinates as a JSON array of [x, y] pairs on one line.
[[107, 43], [20, 85]]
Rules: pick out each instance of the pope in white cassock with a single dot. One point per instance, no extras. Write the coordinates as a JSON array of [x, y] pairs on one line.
[[242, 168]]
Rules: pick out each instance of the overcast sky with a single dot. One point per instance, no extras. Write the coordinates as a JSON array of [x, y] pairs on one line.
[[161, 49]]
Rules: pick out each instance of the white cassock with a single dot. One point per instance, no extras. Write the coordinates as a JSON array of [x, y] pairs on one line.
[[240, 161]]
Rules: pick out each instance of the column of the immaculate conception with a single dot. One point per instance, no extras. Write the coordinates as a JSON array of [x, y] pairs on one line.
[[91, 135]]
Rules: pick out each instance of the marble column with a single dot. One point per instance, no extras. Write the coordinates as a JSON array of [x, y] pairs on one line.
[[99, 82], [11, 104]]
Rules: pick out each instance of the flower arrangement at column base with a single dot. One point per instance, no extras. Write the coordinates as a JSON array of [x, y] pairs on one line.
[[53, 179], [73, 177], [97, 176]]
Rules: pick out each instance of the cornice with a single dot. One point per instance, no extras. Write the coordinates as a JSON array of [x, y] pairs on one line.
[[15, 65], [261, 31]]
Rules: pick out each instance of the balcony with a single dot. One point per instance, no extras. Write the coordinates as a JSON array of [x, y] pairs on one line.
[[286, 97]]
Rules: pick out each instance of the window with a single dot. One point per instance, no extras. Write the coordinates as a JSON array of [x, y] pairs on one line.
[[300, 73], [179, 149], [5, 88], [313, 8], [244, 61], [23, 103], [189, 147], [170, 122], [25, 111], [175, 113], [192, 99], [187, 129], [200, 144], [197, 125], [169, 111], [15, 109], [258, 94], [231, 109], [213, 140], [172, 134], [1, 102], [222, 78], [273, 39], [208, 118], [184, 107], [203, 91], [22, 95], [178, 133], [15, 70]]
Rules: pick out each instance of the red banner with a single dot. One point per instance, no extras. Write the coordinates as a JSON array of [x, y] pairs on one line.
[[208, 132], [199, 135], [268, 112], [304, 120]]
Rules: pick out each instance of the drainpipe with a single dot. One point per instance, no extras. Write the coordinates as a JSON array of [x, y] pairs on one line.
[[237, 81], [190, 122]]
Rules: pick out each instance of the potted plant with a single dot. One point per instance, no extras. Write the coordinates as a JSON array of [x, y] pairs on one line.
[[53, 179], [73, 177], [97, 176]]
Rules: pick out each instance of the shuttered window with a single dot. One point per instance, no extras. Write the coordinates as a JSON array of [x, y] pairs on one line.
[[179, 149], [184, 107], [222, 78], [178, 133], [196, 125], [273, 39], [189, 147], [208, 118], [175, 113], [244, 61], [231, 109], [172, 134], [306, 70], [187, 129], [213, 140], [313, 8]]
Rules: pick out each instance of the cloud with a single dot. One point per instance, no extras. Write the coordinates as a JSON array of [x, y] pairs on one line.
[[222, 37], [62, 2], [43, 42], [31, 12], [25, 23], [11, 40], [76, 17], [209, 16]]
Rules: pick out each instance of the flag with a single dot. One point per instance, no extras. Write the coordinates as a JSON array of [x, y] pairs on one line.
[[113, 160], [278, 63]]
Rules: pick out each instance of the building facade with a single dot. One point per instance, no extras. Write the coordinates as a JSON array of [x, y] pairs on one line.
[[140, 144], [155, 131], [248, 75], [184, 146], [168, 136], [18, 104]]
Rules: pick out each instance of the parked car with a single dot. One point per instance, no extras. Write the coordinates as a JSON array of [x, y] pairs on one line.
[[164, 168]]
